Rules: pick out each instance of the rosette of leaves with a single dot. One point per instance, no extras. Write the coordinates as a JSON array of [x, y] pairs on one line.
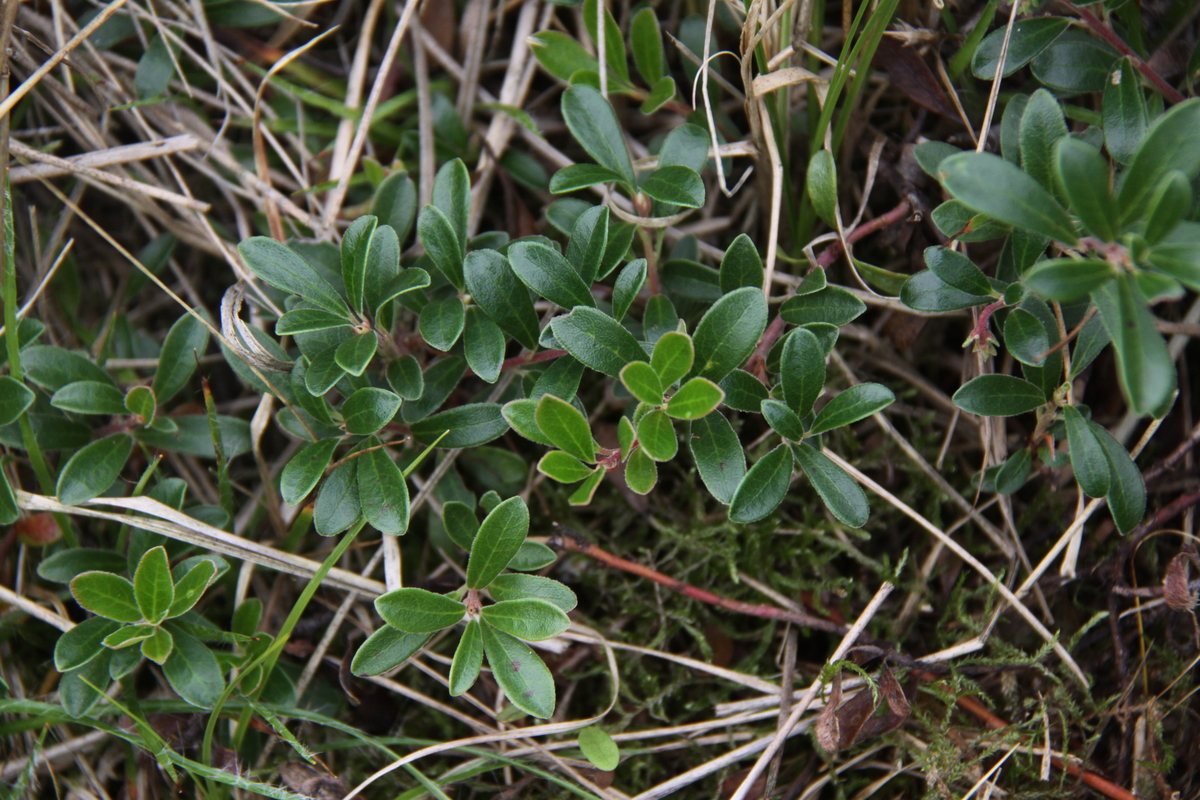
[[525, 608], [149, 616], [1091, 242]]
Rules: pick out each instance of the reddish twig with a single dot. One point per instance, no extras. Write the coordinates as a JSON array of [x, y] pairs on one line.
[[1101, 29], [757, 362], [568, 539]]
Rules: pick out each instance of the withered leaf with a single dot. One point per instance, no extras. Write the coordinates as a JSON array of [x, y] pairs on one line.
[[1175, 585]]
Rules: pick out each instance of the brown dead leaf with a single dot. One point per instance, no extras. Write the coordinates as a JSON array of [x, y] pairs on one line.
[[303, 779], [1175, 585]]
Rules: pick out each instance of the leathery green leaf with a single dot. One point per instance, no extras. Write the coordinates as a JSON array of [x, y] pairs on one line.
[[998, 396], [995, 187], [441, 322], [382, 491], [718, 455], [499, 538], [93, 469], [672, 357], [841, 495], [628, 284], [418, 610], [513, 586], [642, 382], [386, 648], [763, 487], [483, 344], [728, 332], [582, 495], [354, 354], [1169, 144], [598, 340], [106, 595], [647, 45], [741, 265], [563, 467], [338, 506], [523, 677], [594, 125], [1087, 456], [1144, 364], [280, 266], [528, 618], [356, 249], [497, 290], [566, 428], [822, 186], [152, 585], [548, 273], [1083, 174], [857, 402], [305, 469], [802, 368], [657, 436], [597, 746], [695, 399], [641, 472], [1127, 489], [468, 659], [369, 409]]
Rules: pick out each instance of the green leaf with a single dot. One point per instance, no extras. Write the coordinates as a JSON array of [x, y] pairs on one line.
[[599, 341], [743, 392], [1029, 37], [483, 344], [696, 398], [1074, 64], [443, 246], [1066, 279], [580, 176], [84, 397], [156, 69], [657, 436], [821, 184], [672, 358], [405, 377], [763, 488], [395, 204], [382, 492], [1087, 456], [661, 93], [499, 538], [280, 266], [566, 428], [995, 187], [549, 274], [1144, 365], [523, 677], [1170, 203], [1169, 144], [78, 697], [614, 40], [191, 587], [642, 382], [783, 420], [1083, 174], [418, 610], [802, 370], [1127, 490], [107, 595], [356, 248], [857, 402], [193, 672], [583, 493], [628, 284], [741, 265], [718, 455], [452, 195], [64, 565], [594, 125], [522, 416], [386, 649], [307, 320], [528, 618], [841, 495], [1025, 337], [93, 469], [589, 241], [998, 396], [956, 220], [956, 270], [1180, 260], [564, 468], [468, 659], [460, 523], [129, 635], [728, 332], [52, 368], [677, 185], [647, 45], [442, 322], [641, 472], [338, 506], [323, 372], [152, 585], [15, 398], [410, 280], [304, 470], [469, 426], [1014, 472], [369, 409], [354, 354], [497, 290], [660, 318], [81, 644], [597, 746], [561, 55], [511, 586], [833, 305], [157, 647], [1124, 112], [181, 351], [1042, 127], [1088, 344]]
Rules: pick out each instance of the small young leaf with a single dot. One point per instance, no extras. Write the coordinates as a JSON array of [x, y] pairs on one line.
[[783, 420], [763, 488], [497, 290], [594, 125], [718, 455], [1066, 279], [657, 436], [597, 746], [382, 492], [676, 185], [857, 402], [628, 284], [641, 472], [995, 187], [672, 357], [695, 399], [522, 416], [511, 586], [1083, 174], [386, 649], [1127, 489], [152, 585], [563, 468], [660, 94], [833, 305], [107, 595], [442, 322], [483, 344], [369, 409], [354, 355], [181, 351], [499, 538], [418, 610], [280, 266], [647, 45], [822, 186], [84, 397], [543, 270], [614, 39], [158, 645], [468, 659], [529, 618], [338, 505], [305, 469], [998, 396], [524, 678], [561, 55], [81, 644], [599, 341], [566, 428], [581, 496], [741, 265], [1124, 112], [728, 333], [93, 469], [643, 382], [307, 320], [1087, 456], [802, 370], [841, 495], [190, 588]]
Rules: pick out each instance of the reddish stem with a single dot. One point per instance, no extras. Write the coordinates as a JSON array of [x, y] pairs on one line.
[[568, 539], [1101, 29], [981, 334]]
